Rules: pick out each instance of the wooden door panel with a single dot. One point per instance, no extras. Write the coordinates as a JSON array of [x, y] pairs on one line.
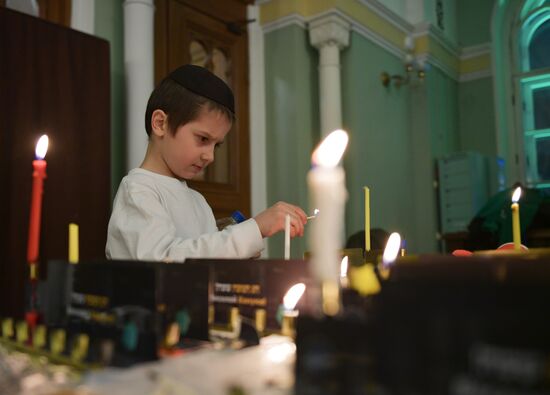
[[192, 33]]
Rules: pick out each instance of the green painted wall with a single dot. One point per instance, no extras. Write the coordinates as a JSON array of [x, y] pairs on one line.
[[110, 26], [378, 154], [396, 134], [292, 122], [450, 28], [443, 112], [474, 21], [477, 116], [434, 133]]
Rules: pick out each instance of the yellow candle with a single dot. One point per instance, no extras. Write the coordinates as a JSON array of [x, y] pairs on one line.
[[73, 243], [516, 231], [367, 218], [515, 227]]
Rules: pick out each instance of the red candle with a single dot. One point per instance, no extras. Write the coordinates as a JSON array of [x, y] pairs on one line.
[[38, 175]]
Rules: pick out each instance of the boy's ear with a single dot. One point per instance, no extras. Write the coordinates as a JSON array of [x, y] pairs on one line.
[[159, 123]]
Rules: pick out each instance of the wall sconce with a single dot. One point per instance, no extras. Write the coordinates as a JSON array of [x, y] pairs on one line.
[[414, 65]]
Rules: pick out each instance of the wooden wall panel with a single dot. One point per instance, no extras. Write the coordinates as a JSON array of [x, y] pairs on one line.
[[52, 80]]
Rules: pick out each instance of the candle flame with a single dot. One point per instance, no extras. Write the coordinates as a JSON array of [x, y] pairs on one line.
[[516, 195], [344, 267], [41, 147], [331, 149], [392, 248], [316, 211], [293, 295]]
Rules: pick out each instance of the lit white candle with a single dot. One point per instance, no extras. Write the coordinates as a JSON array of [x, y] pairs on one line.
[[290, 300], [287, 237], [326, 182]]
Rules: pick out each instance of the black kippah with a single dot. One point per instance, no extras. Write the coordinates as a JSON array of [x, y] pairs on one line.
[[204, 83]]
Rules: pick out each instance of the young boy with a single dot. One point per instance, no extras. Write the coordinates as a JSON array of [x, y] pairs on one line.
[[156, 216]]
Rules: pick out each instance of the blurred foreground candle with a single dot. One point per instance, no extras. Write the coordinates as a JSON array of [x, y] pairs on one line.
[[260, 320], [516, 230], [326, 182], [290, 300], [38, 175]]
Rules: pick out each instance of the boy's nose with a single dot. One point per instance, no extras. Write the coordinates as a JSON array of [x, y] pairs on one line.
[[208, 156]]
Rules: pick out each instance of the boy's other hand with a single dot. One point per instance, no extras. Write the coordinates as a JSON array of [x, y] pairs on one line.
[[272, 220]]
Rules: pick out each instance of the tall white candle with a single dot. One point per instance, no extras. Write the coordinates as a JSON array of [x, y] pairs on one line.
[[287, 237], [326, 183]]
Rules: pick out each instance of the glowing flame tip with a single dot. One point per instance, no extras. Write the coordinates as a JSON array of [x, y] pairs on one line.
[[293, 295], [392, 248], [42, 147], [344, 267], [331, 149], [516, 195]]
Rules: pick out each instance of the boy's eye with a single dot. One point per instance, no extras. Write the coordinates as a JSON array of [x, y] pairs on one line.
[[217, 145], [203, 139]]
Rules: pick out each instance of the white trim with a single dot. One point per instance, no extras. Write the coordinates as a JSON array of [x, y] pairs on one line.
[[356, 26], [83, 15], [427, 28], [257, 111], [359, 28], [435, 62], [377, 39], [288, 20], [388, 15], [475, 51], [476, 75]]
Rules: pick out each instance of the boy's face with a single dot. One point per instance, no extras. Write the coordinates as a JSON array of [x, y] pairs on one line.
[[191, 148]]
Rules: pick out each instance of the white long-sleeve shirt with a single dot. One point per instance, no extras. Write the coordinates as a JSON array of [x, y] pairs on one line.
[[157, 217]]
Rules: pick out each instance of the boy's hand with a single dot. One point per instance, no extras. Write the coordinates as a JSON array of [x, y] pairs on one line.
[[272, 220]]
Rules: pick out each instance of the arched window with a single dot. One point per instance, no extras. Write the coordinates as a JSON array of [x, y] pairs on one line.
[[533, 81]]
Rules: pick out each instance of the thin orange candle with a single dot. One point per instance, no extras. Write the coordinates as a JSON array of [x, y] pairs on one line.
[[38, 176], [516, 230]]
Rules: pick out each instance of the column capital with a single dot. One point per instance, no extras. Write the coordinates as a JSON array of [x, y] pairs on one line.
[[329, 29]]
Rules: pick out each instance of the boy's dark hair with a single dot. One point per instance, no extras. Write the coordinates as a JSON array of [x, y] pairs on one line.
[[185, 93]]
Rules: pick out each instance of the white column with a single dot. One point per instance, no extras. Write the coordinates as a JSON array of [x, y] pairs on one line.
[[258, 170], [329, 34], [83, 15], [139, 72]]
